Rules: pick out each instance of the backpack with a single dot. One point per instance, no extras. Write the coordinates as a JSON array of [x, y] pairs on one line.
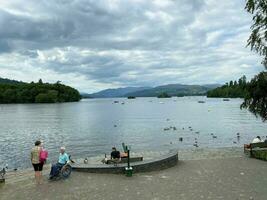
[[43, 155]]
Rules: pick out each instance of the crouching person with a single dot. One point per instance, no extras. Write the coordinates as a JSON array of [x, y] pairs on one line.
[[63, 159]]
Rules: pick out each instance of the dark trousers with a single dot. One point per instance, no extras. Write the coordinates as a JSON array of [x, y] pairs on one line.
[[55, 169]]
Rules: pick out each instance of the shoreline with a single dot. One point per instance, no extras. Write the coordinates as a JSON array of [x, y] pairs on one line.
[[222, 173], [184, 155], [226, 178]]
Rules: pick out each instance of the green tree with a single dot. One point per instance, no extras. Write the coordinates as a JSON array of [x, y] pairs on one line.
[[258, 37], [256, 97], [9, 96], [235, 83], [164, 95], [49, 97], [18, 92], [230, 90]]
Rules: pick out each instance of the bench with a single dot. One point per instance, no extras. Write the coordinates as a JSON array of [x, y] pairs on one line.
[[2, 175], [248, 148]]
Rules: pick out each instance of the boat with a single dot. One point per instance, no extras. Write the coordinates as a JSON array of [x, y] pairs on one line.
[[131, 97], [201, 101], [226, 99]]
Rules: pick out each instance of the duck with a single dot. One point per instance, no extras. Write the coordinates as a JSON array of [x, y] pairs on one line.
[[196, 145]]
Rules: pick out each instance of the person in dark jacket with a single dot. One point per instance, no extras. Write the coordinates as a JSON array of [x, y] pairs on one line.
[[115, 154]]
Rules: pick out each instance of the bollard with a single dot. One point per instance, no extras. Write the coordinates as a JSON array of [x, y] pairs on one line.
[[129, 171]]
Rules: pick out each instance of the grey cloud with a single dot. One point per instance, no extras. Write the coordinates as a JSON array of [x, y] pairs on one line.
[[127, 42]]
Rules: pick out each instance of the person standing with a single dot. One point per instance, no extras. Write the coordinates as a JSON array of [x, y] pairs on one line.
[[35, 160]]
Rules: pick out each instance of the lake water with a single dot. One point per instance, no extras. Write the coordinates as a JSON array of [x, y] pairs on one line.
[[91, 127]]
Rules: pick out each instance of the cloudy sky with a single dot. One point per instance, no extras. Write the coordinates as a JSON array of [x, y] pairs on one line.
[[98, 44]]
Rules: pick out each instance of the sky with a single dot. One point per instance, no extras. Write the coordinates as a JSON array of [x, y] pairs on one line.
[[93, 45]]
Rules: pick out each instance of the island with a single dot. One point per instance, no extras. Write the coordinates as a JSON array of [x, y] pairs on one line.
[[164, 95], [20, 92]]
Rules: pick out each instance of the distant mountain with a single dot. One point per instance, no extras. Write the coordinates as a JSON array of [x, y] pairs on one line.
[[85, 95], [171, 89], [175, 90], [5, 80], [119, 92]]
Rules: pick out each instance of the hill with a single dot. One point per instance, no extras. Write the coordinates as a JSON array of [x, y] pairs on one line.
[[175, 90], [5, 80], [171, 89], [118, 92]]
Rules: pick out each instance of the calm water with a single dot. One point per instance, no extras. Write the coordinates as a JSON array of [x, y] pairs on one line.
[[87, 128]]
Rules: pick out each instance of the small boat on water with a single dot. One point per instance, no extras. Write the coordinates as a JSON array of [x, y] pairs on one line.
[[115, 101], [201, 102], [226, 99]]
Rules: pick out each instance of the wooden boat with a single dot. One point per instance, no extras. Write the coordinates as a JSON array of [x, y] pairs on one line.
[[226, 99], [201, 101]]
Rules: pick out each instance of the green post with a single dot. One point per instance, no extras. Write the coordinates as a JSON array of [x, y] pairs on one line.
[[128, 169]]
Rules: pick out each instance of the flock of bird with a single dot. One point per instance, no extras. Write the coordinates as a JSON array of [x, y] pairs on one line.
[[195, 144]]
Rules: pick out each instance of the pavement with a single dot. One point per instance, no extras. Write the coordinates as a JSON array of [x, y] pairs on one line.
[[235, 177]]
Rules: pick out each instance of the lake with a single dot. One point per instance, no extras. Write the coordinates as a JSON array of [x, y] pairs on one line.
[[91, 127]]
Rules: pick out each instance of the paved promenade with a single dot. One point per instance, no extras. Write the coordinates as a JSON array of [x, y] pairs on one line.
[[236, 177]]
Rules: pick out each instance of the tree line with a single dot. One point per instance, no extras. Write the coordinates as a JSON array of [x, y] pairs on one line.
[[254, 93], [233, 89], [39, 92]]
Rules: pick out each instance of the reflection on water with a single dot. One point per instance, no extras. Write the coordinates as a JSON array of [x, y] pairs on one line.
[[91, 127]]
